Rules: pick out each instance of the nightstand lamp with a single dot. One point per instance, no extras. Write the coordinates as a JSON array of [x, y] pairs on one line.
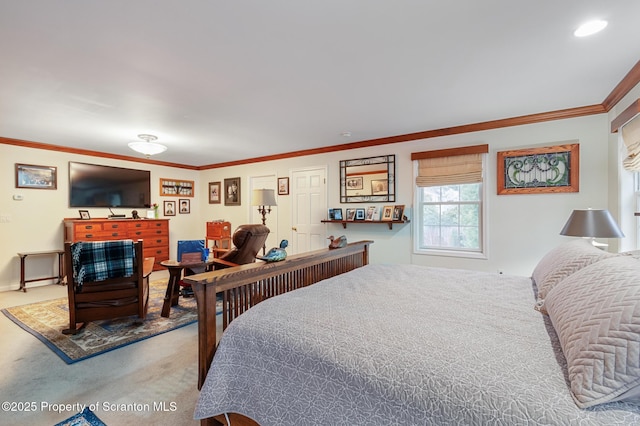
[[592, 224]]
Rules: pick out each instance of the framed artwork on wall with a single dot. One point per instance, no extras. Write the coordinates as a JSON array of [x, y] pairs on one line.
[[185, 205], [176, 187], [283, 186], [36, 177], [169, 208], [232, 191], [214, 192], [539, 170]]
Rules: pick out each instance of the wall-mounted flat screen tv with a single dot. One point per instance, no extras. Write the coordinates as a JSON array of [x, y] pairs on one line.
[[93, 185]]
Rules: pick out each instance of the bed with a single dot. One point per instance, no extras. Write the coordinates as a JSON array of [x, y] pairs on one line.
[[405, 344]]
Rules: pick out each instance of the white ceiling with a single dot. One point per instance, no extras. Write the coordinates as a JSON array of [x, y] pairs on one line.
[[221, 80]]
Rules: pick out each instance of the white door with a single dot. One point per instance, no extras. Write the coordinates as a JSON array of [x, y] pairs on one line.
[[308, 208], [265, 182]]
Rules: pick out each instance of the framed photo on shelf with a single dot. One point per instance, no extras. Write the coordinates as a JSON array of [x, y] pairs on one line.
[[84, 214], [214, 192], [337, 214], [283, 186], [232, 191], [371, 211], [351, 214], [36, 177], [185, 205], [360, 214], [398, 212], [387, 213], [169, 208]]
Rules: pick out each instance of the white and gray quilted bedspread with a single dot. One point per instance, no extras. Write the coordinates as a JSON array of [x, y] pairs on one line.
[[399, 345]]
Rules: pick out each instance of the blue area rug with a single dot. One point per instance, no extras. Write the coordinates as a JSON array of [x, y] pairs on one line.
[[46, 320], [86, 418]]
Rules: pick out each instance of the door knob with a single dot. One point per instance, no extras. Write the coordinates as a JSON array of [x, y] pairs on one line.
[[293, 228]]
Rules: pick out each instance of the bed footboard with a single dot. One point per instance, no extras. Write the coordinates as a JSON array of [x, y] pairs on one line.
[[247, 285]]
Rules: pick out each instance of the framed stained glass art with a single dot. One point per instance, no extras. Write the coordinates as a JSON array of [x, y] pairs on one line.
[[548, 169]]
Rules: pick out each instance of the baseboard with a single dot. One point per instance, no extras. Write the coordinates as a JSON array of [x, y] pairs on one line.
[[10, 287]]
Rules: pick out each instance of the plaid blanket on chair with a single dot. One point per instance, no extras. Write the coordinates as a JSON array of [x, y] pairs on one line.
[[100, 260]]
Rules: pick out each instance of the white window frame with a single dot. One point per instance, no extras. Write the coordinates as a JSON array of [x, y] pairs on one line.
[[471, 254]]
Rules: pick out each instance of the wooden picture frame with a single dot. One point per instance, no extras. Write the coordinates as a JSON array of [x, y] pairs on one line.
[[169, 208], [398, 212], [214, 192], [551, 169], [350, 215], [176, 187], [84, 214], [36, 177], [184, 206], [283, 186], [387, 214], [232, 191]]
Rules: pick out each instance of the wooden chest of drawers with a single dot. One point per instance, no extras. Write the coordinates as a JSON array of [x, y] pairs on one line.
[[154, 233]]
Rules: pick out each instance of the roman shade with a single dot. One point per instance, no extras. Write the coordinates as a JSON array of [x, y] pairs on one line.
[[631, 138], [450, 166]]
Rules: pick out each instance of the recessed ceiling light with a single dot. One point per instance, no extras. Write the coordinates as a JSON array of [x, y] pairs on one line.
[[590, 27]]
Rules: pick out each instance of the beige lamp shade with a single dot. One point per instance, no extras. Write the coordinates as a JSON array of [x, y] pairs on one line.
[[263, 197]]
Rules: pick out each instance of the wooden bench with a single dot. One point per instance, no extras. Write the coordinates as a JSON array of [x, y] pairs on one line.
[[23, 257]]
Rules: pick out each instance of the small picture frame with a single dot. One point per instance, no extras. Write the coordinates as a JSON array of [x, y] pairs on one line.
[[214, 192], [387, 213], [184, 206], [351, 215], [371, 211], [36, 177], [337, 214], [283, 186], [84, 214], [360, 214], [232, 191], [379, 187], [331, 215], [169, 208], [398, 212]]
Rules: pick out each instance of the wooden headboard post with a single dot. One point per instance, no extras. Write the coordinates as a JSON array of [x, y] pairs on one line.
[[247, 285]]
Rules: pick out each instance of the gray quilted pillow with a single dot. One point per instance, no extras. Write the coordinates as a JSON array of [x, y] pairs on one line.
[[563, 261], [596, 314]]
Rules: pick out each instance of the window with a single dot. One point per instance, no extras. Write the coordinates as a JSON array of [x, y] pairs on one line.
[[449, 202], [451, 217]]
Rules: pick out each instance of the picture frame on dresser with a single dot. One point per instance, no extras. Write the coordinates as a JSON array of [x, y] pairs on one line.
[[84, 214]]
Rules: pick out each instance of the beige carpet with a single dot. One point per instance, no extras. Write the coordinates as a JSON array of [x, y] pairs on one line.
[[47, 319]]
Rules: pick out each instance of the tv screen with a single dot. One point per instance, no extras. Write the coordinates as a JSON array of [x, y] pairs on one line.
[[92, 185]]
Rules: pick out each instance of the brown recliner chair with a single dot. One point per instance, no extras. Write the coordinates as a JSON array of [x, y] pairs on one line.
[[248, 240], [106, 280]]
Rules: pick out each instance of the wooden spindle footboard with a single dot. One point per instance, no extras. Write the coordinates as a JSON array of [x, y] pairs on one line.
[[247, 285]]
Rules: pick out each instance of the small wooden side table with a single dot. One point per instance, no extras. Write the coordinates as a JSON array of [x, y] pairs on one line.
[[23, 257]]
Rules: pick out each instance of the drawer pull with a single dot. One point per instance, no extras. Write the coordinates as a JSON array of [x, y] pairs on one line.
[[158, 241], [138, 225], [138, 233], [89, 236], [88, 227], [115, 234]]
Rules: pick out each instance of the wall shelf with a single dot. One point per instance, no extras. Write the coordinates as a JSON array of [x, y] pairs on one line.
[[386, 222]]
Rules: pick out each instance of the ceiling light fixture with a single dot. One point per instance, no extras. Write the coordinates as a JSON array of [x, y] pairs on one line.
[[148, 147], [589, 28]]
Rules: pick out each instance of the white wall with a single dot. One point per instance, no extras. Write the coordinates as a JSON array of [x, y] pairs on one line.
[[521, 228]]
